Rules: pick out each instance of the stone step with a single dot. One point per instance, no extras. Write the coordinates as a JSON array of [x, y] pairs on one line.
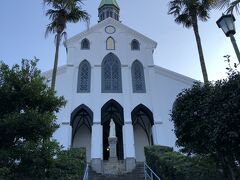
[[109, 167], [125, 177]]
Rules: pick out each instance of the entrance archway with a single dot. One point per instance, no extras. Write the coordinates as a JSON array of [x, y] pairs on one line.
[[142, 120], [112, 110], [81, 122]]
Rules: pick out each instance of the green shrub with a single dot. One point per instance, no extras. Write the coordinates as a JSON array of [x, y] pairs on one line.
[[170, 165], [69, 164], [4, 173]]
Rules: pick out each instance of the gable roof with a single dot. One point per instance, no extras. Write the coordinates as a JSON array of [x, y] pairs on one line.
[[105, 23], [173, 75]]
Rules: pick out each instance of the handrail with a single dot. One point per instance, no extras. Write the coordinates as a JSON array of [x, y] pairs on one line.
[[149, 174], [86, 173]]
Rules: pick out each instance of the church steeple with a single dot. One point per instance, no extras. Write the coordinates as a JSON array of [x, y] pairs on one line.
[[108, 8]]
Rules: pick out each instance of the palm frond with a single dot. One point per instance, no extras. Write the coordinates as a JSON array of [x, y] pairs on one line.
[[77, 15], [62, 12], [175, 7], [52, 14], [203, 14], [50, 29], [185, 10], [221, 4], [234, 5], [185, 20], [229, 5]]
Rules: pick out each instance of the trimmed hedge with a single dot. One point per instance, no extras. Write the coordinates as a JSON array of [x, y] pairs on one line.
[[69, 165], [170, 165]]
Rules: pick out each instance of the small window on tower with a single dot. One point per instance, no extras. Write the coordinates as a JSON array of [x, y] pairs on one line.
[[85, 44], [110, 43], [135, 45], [108, 14]]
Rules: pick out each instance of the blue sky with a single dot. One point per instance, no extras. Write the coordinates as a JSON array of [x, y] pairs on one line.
[[23, 26]]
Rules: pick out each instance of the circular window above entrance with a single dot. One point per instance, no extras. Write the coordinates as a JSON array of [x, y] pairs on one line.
[[110, 29]]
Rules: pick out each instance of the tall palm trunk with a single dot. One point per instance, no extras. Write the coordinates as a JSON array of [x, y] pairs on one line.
[[200, 51], [54, 73]]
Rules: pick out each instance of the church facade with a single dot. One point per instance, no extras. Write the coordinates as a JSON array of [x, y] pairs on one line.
[[110, 75]]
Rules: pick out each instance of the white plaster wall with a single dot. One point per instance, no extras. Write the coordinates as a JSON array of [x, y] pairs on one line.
[[83, 139], [162, 86], [140, 141], [163, 95]]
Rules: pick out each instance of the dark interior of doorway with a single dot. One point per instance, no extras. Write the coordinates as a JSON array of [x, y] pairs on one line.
[[106, 129]]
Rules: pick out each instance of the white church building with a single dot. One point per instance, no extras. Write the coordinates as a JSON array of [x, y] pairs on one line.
[[110, 74]]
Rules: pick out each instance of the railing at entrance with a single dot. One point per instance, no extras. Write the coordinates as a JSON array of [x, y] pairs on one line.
[[86, 173], [149, 174]]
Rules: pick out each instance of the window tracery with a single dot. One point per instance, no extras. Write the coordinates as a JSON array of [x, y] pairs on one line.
[[84, 75], [138, 79]]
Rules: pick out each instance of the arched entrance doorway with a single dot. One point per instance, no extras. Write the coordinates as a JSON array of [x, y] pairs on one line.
[[142, 120], [112, 110], [81, 122]]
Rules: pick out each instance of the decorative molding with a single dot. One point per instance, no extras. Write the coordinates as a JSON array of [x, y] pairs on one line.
[[128, 122], [125, 65], [158, 122], [174, 75], [70, 65], [97, 65], [96, 123], [65, 123], [60, 70], [150, 66]]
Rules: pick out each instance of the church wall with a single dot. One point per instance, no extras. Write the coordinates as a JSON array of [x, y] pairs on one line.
[[64, 83], [158, 98], [83, 139], [161, 91], [140, 141], [164, 93], [98, 50]]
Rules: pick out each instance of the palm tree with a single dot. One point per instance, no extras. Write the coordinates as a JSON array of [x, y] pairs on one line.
[[187, 13], [62, 12]]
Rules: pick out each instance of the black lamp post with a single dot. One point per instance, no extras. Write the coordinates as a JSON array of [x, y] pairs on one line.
[[226, 23]]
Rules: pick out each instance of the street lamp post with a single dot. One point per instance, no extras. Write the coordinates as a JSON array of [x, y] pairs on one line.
[[226, 23]]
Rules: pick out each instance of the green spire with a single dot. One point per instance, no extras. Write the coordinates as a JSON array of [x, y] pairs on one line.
[[109, 2]]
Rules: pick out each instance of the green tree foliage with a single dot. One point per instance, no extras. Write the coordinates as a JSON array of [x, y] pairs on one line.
[[62, 12], [188, 13], [69, 165], [27, 122], [207, 122], [170, 165]]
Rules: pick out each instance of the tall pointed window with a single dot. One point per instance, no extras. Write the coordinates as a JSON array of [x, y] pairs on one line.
[[111, 74], [85, 44], [135, 45], [110, 43], [84, 77], [138, 80]]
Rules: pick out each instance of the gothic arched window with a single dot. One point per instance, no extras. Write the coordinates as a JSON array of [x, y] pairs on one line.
[[110, 44], [135, 45], [85, 44], [111, 74], [138, 80], [84, 77]]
